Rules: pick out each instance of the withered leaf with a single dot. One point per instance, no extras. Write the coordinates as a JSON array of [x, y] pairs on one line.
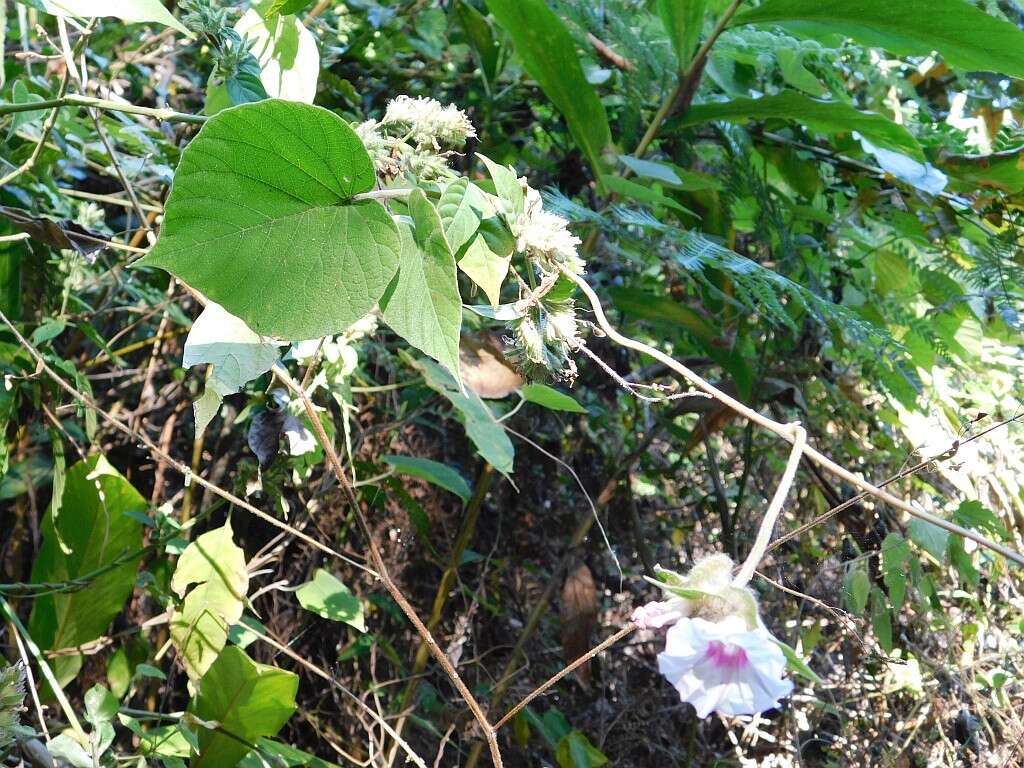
[[484, 368], [56, 233], [579, 617]]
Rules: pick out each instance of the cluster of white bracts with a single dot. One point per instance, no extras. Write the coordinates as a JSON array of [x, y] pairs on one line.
[[548, 332], [545, 236], [718, 653], [415, 134]]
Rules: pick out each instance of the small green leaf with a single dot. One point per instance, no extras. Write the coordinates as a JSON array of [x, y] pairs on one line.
[[286, 6], [100, 705], [895, 552], [576, 751], [245, 86], [648, 169], [683, 20], [485, 267], [247, 700], [423, 305], [881, 620], [549, 57], [974, 514], [328, 597], [487, 434], [641, 193], [548, 397], [929, 537], [796, 663], [433, 472], [856, 588], [507, 188], [262, 221]]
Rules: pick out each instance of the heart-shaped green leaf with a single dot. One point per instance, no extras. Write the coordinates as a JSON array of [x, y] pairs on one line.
[[261, 220]]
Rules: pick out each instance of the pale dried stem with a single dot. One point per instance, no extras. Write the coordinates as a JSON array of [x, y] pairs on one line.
[[782, 430], [764, 533], [562, 673]]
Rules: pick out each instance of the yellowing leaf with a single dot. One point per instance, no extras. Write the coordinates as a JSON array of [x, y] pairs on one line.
[[199, 626]]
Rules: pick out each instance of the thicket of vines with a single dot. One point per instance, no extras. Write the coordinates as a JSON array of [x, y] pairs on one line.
[[629, 382]]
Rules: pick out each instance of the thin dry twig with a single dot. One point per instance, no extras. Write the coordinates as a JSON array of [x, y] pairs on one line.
[[160, 454], [378, 562], [782, 430]]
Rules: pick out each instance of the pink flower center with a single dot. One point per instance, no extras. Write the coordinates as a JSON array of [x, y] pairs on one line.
[[726, 655]]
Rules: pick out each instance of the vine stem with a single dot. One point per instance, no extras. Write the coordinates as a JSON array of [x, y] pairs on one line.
[[377, 559], [686, 85], [78, 100], [444, 588], [764, 533], [604, 644], [782, 430]]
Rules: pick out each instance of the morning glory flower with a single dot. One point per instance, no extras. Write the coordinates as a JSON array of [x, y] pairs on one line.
[[718, 654], [724, 667]]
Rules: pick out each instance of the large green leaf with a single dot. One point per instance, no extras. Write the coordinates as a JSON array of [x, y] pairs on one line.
[[247, 701], [967, 37], [828, 117], [199, 626], [97, 524], [126, 10], [683, 20], [261, 220], [483, 429], [422, 305], [549, 57]]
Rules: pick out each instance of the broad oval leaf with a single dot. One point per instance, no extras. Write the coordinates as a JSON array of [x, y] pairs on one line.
[[433, 472], [199, 626], [551, 398], [967, 37], [326, 596], [261, 220], [248, 701], [423, 305], [98, 524], [549, 57]]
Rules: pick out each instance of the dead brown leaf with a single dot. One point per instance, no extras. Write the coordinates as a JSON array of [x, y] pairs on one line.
[[484, 367], [579, 617]]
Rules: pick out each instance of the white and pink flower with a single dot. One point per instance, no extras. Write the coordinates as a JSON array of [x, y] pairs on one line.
[[724, 667], [718, 653]]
